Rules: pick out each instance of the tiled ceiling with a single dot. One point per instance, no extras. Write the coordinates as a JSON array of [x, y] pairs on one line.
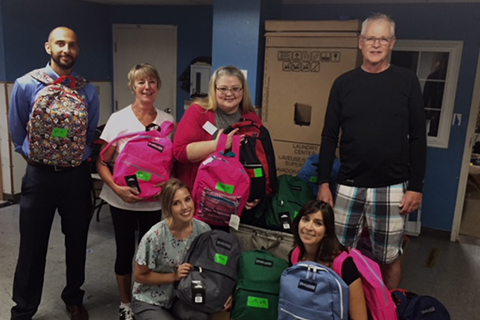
[[210, 2], [155, 2]]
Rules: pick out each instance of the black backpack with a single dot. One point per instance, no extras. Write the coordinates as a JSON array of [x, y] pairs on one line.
[[257, 157], [214, 256], [411, 306]]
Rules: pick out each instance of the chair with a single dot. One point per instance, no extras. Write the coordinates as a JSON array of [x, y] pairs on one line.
[[97, 182], [97, 202]]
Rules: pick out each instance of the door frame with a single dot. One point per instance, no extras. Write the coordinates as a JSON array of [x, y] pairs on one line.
[[173, 80], [467, 152]]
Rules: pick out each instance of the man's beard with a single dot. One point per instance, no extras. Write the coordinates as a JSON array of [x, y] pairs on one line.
[[65, 66]]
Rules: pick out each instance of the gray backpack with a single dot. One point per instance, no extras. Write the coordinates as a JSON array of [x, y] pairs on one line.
[[214, 256]]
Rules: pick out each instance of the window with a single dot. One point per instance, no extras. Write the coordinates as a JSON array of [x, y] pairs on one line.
[[436, 64]]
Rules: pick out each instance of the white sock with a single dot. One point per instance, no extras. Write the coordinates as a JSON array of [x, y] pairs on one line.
[[124, 305]]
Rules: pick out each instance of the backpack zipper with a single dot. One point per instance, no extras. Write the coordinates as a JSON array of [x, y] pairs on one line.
[[293, 315], [128, 163], [258, 291], [201, 270], [315, 270]]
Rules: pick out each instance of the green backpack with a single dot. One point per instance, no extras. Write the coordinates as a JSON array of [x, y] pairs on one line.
[[258, 286], [293, 193]]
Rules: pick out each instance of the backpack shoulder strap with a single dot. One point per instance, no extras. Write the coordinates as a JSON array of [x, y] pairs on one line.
[[198, 241], [81, 82], [222, 142], [166, 128], [45, 78], [123, 136], [295, 255], [338, 262], [41, 76]]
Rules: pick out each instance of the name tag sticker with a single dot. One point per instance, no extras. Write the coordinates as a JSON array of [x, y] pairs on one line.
[[257, 302], [145, 176], [59, 133], [209, 127], [221, 259], [227, 188]]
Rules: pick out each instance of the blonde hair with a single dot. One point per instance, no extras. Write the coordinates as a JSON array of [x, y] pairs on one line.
[[142, 70], [210, 103], [169, 190]]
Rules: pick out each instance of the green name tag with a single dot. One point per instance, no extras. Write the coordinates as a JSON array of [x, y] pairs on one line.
[[256, 302], [227, 188], [258, 172], [295, 214], [145, 176], [314, 179], [59, 133], [221, 259]]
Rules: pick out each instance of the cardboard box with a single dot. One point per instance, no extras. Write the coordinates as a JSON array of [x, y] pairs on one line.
[[323, 26], [291, 156], [302, 60]]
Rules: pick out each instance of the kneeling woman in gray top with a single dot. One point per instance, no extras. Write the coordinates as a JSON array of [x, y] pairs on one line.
[[160, 255]]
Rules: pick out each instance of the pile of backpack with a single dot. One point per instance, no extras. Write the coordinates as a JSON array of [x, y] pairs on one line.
[[259, 277]]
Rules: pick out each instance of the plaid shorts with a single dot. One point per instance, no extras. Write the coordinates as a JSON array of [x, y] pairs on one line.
[[374, 208]]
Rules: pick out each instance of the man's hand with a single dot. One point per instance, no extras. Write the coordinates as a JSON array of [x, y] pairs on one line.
[[325, 194], [410, 202]]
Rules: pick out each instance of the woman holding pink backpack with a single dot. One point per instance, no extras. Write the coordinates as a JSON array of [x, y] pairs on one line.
[[128, 208], [315, 238], [198, 134]]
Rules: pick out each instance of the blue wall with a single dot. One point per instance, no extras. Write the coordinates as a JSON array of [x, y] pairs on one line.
[[2, 48], [426, 22], [238, 37], [27, 23], [236, 26], [194, 27]]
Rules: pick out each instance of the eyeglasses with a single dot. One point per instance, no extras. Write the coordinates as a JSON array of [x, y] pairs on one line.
[[371, 40], [225, 90]]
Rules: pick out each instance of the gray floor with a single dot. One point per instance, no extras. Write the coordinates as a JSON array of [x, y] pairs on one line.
[[452, 275]]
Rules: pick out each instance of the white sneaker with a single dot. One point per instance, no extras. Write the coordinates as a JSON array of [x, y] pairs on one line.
[[125, 313]]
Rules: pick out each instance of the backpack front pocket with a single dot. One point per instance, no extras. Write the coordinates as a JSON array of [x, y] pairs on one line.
[[217, 207]]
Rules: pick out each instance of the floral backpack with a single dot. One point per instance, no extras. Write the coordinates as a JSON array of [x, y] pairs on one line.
[[58, 125]]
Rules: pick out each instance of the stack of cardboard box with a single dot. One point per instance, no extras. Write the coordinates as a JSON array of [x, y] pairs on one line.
[[302, 60]]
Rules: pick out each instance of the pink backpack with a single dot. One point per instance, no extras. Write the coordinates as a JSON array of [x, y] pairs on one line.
[[146, 160], [222, 185], [379, 300]]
